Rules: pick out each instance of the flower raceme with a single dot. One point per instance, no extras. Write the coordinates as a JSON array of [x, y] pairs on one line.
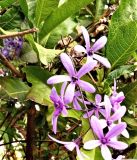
[[73, 77], [90, 51]]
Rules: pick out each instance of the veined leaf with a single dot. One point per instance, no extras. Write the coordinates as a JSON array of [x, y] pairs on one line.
[[15, 88], [130, 92], [46, 55], [39, 91], [24, 7], [122, 33], [44, 9], [6, 3], [60, 14], [120, 71]]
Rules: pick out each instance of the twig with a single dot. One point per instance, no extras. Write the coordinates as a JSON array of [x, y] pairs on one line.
[[10, 66], [19, 33]]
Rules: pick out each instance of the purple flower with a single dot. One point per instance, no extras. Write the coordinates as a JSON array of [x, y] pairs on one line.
[[109, 117], [116, 97], [90, 51], [71, 146], [74, 77], [107, 140], [96, 107], [60, 106]]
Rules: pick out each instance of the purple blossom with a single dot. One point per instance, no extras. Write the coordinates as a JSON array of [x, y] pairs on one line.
[[96, 107], [116, 97], [90, 51], [59, 104], [108, 115], [105, 141], [73, 78], [71, 146]]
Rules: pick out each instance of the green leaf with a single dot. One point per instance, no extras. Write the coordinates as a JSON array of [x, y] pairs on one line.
[[28, 54], [60, 14], [89, 153], [130, 120], [11, 19], [44, 9], [121, 46], [119, 72], [122, 33], [130, 92], [6, 3], [74, 114], [39, 91], [46, 56], [15, 88], [24, 7]]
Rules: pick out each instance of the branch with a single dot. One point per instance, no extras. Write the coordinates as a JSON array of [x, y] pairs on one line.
[[10, 66], [19, 33], [30, 132]]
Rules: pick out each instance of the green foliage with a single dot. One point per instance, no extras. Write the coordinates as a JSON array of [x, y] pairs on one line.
[[44, 9], [60, 14], [122, 33], [14, 87], [6, 3], [130, 91], [39, 91]]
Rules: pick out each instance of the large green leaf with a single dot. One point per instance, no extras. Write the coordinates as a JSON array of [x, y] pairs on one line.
[[123, 44], [46, 55], [60, 14], [39, 91], [6, 3], [11, 19], [24, 7], [130, 91], [44, 9], [118, 72], [122, 33], [15, 88]]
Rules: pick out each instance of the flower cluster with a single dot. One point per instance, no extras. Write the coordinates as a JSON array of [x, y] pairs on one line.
[[104, 114], [12, 47]]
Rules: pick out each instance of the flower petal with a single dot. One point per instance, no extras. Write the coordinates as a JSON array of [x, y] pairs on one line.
[[58, 141], [89, 114], [70, 146], [117, 145], [58, 79], [125, 133], [69, 94], [65, 59], [86, 86], [81, 155], [79, 48], [86, 68], [91, 144], [100, 43], [102, 60], [76, 104], [118, 114], [98, 98], [106, 154], [95, 123], [54, 123], [108, 107], [54, 95], [116, 130], [86, 37], [64, 111], [63, 87]]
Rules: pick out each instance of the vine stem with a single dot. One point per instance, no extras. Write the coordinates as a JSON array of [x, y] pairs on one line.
[[30, 132], [32, 30], [10, 66]]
